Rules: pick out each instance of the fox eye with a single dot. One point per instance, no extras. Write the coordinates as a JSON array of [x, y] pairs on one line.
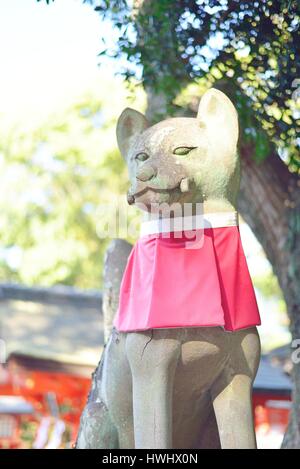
[[141, 156], [182, 151]]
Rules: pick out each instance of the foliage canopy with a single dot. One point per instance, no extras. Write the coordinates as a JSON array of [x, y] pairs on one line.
[[55, 181], [252, 46]]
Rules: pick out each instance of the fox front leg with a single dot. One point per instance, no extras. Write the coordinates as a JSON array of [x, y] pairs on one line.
[[232, 392], [153, 358]]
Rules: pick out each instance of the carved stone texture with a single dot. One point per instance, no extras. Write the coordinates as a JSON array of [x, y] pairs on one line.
[[114, 264], [181, 387]]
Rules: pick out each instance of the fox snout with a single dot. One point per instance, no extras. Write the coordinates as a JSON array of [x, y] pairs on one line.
[[146, 172]]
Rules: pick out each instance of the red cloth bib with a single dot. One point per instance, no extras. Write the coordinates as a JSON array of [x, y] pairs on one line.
[[167, 283]]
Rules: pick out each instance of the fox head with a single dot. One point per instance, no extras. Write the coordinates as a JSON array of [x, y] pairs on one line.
[[182, 159]]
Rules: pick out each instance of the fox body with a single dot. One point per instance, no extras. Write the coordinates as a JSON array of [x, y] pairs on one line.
[[187, 387]]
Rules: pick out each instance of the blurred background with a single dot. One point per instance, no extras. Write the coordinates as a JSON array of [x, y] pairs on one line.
[[67, 72]]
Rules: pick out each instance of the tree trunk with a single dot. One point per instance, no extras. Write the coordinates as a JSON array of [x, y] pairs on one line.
[[269, 203]]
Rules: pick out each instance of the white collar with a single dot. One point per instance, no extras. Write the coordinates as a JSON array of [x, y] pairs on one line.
[[187, 223]]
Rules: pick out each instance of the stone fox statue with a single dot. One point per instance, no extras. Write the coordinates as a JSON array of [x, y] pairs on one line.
[[178, 367]]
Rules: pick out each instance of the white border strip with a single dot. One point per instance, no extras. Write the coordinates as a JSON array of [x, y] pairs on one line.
[[196, 222]]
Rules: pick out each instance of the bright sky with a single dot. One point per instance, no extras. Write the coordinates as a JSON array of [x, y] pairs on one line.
[[48, 54]]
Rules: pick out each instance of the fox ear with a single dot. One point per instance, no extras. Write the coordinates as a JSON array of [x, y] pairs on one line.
[[130, 124], [217, 113]]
